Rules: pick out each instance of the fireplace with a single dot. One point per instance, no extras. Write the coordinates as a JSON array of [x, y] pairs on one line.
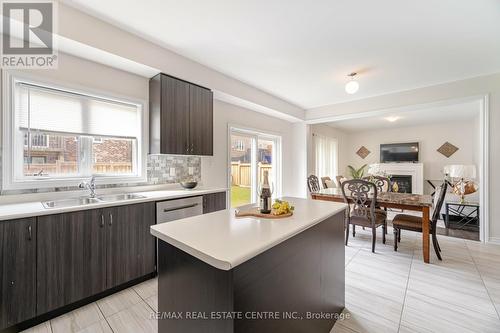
[[404, 183], [414, 172]]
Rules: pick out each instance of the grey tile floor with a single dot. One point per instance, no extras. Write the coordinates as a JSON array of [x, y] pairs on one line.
[[396, 292], [129, 310], [385, 292]]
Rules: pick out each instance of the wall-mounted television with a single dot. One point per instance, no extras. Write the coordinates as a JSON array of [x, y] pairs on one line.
[[399, 152]]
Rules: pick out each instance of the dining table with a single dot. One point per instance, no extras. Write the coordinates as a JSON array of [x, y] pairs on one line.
[[404, 201]]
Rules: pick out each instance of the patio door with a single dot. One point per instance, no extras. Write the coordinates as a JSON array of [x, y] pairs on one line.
[[251, 155]]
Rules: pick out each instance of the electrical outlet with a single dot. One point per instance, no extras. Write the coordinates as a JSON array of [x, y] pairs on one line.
[[172, 172], [190, 171]]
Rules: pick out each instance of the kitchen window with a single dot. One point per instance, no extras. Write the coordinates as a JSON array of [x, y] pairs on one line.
[[60, 135]]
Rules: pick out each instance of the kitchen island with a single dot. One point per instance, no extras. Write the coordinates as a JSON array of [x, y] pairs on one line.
[[218, 273]]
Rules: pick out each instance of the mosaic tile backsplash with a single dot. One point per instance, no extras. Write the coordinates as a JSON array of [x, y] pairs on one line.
[[159, 168], [158, 172]]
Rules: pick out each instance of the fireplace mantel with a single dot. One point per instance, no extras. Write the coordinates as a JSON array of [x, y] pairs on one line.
[[416, 170]]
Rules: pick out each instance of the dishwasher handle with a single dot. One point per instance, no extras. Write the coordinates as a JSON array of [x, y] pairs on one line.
[[171, 210], [166, 210]]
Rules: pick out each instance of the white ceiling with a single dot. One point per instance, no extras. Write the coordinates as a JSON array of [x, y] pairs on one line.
[[302, 50], [435, 115]]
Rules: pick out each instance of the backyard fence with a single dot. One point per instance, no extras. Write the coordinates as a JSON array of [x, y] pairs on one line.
[[241, 173], [60, 167]]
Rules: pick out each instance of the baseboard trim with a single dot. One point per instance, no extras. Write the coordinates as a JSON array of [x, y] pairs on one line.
[[495, 240]]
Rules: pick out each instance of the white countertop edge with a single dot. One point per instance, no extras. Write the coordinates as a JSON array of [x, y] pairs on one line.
[[279, 241], [35, 208], [217, 263], [225, 265]]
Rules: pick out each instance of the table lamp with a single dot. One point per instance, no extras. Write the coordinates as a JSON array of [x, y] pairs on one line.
[[465, 174]]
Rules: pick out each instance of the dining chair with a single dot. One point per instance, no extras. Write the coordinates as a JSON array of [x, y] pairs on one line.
[[313, 184], [383, 184], [414, 223], [327, 182], [339, 180], [361, 198]]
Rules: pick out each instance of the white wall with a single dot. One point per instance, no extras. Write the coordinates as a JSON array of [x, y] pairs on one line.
[[91, 75], [463, 135], [465, 89], [214, 169], [430, 137], [300, 164], [94, 76], [94, 32]]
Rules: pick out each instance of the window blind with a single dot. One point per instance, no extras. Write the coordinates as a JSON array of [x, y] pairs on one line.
[[45, 109]]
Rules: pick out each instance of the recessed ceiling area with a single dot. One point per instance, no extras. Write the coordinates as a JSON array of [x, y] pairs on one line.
[[302, 51], [449, 113]]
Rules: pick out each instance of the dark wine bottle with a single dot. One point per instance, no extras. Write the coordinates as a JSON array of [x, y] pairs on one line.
[[265, 195]]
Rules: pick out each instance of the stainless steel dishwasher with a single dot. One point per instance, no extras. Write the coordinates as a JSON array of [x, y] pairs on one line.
[[171, 210]]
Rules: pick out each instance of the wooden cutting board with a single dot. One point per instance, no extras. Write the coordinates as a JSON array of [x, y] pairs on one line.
[[255, 212]]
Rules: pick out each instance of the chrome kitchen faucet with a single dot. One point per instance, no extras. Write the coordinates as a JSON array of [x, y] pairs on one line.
[[89, 185]]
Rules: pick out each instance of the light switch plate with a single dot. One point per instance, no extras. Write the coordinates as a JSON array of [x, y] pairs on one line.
[[190, 171], [172, 172]]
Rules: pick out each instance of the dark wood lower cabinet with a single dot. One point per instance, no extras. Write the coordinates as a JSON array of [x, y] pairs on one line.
[[51, 262], [131, 249], [18, 271], [71, 260], [81, 254], [213, 202]]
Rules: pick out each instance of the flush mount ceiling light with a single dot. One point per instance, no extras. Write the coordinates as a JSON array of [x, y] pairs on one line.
[[352, 86], [392, 118]]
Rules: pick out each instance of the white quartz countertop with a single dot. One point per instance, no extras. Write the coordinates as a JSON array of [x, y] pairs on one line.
[[28, 209], [224, 241]]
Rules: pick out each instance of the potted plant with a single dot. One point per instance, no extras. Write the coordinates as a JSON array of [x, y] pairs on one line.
[[357, 173]]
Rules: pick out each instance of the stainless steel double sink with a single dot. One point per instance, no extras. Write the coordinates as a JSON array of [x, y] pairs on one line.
[[81, 201]]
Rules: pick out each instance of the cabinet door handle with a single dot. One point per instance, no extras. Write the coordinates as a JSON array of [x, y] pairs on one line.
[[30, 235], [110, 219], [102, 221]]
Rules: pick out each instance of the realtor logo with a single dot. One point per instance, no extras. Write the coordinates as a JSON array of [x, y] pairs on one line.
[[28, 34]]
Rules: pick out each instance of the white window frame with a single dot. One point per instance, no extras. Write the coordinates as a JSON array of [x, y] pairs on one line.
[[9, 179], [257, 134]]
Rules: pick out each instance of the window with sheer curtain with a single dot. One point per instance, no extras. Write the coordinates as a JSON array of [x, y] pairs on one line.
[[60, 135], [326, 156]]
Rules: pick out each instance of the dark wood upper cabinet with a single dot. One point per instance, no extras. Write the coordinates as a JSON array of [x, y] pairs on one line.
[[18, 271], [213, 202], [181, 117], [71, 258], [131, 249], [174, 124], [201, 120]]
